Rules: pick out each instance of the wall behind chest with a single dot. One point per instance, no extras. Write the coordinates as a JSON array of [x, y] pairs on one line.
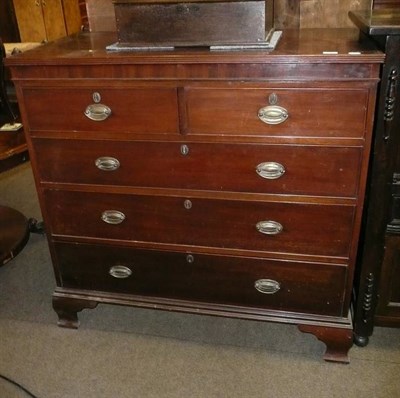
[[288, 13], [46, 20], [316, 13]]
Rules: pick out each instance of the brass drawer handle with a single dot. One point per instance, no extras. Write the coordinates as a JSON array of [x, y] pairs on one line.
[[269, 227], [120, 271], [267, 286], [113, 217], [273, 114], [97, 112], [107, 163], [270, 170]]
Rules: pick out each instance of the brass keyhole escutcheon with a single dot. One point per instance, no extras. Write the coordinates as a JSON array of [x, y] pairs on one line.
[[184, 150], [187, 204], [96, 97], [273, 99]]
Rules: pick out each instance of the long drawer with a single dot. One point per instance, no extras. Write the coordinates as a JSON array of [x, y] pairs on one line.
[[312, 170], [286, 112], [132, 110], [303, 228], [278, 285]]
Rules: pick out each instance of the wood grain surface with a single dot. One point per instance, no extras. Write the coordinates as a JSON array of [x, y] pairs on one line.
[[316, 13]]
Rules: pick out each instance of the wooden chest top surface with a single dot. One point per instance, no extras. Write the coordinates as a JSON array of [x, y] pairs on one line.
[[299, 46]]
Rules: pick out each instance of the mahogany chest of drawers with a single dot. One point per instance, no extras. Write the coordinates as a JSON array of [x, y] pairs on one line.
[[222, 183]]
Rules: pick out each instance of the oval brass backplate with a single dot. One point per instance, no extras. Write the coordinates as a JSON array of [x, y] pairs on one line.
[[273, 114]]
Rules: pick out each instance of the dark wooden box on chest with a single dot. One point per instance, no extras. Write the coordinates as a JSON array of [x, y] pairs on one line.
[[193, 22]]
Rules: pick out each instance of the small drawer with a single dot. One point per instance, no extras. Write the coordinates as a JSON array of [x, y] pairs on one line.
[[282, 169], [244, 281], [307, 228], [130, 110], [305, 112]]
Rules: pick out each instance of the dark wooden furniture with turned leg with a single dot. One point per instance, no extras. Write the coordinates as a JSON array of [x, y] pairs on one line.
[[377, 287], [222, 183], [14, 233]]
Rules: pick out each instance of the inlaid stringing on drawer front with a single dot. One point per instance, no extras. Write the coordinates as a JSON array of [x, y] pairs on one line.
[[280, 112], [298, 228], [131, 110], [234, 111], [286, 169], [261, 283]]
